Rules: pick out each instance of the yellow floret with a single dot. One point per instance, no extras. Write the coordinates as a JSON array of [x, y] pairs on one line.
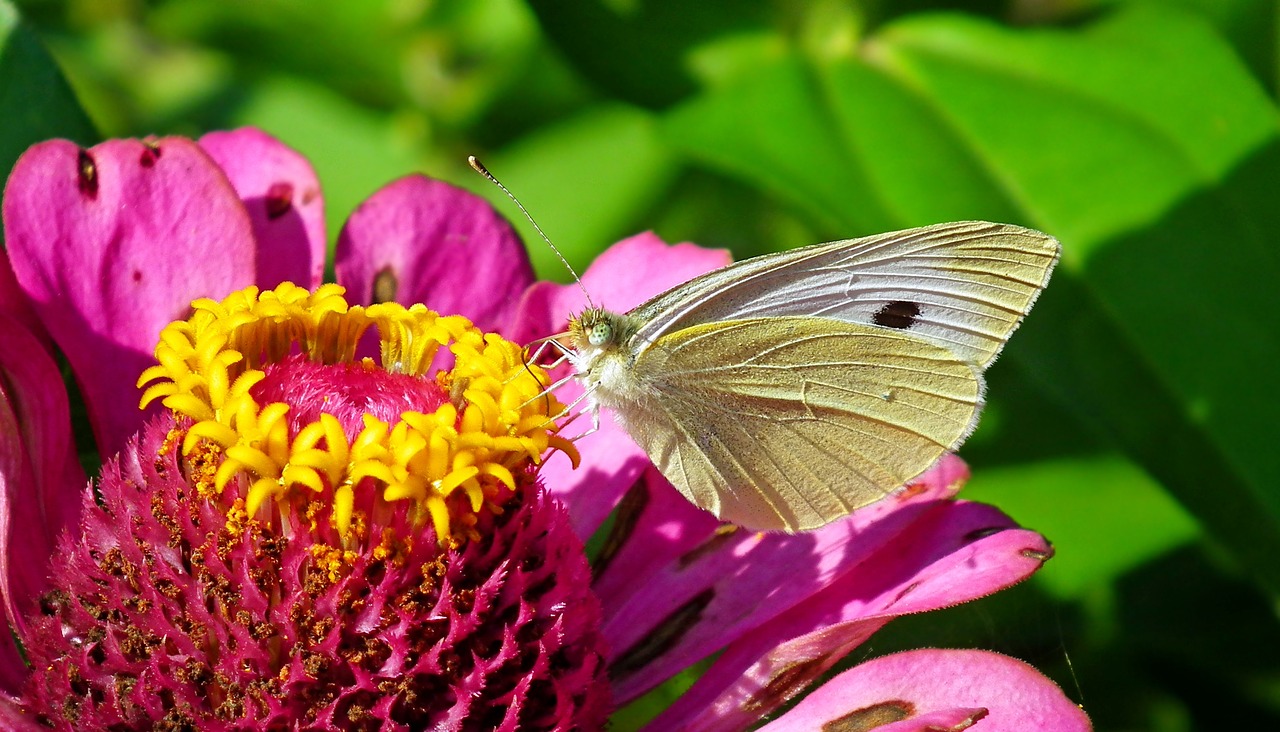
[[478, 445]]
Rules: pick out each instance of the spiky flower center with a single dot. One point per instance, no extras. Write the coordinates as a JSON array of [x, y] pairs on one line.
[[311, 540], [448, 464]]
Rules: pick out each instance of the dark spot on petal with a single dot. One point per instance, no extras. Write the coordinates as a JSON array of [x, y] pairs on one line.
[[310, 195], [137, 275], [88, 174], [279, 199], [625, 519], [150, 153], [385, 286], [722, 534], [983, 533], [900, 314], [663, 637], [905, 591], [868, 718], [1040, 555], [785, 684]]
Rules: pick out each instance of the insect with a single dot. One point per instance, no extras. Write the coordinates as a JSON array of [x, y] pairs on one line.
[[785, 391]]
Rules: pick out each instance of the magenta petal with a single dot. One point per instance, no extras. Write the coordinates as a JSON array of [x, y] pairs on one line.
[[625, 275], [661, 540], [113, 243], [953, 553], [281, 192], [904, 691], [423, 240], [14, 302], [727, 587], [41, 482], [610, 464], [12, 718]]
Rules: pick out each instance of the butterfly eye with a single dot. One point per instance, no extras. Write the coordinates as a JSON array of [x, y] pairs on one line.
[[601, 333]]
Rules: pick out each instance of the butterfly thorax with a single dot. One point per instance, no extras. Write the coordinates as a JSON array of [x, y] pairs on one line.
[[602, 355]]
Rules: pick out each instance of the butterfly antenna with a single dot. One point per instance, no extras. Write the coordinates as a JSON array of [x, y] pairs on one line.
[[479, 168]]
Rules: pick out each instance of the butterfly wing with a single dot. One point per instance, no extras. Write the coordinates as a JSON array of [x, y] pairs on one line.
[[964, 285], [791, 422]]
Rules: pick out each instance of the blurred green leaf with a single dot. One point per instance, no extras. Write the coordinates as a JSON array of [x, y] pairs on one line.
[[37, 102], [1215, 648], [638, 49], [1142, 142], [1094, 501], [1252, 27], [306, 37], [582, 204]]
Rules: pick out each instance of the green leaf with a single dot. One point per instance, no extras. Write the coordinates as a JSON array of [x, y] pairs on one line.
[[1142, 142], [37, 102], [582, 204], [638, 49], [1077, 504]]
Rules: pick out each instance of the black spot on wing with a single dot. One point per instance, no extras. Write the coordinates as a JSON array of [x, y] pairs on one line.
[[900, 314]]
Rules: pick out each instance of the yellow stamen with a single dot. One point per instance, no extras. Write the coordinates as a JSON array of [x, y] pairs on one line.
[[478, 445]]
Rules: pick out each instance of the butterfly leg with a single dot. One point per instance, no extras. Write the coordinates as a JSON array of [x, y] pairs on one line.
[[595, 422], [538, 352], [593, 408], [550, 389]]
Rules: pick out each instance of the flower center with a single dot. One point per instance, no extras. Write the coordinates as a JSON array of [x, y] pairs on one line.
[[283, 419]]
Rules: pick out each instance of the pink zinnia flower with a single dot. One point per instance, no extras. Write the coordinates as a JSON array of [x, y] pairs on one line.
[[399, 546]]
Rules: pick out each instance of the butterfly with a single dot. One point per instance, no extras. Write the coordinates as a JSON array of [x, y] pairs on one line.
[[785, 391]]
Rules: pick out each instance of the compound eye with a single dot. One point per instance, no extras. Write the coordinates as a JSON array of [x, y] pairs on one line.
[[601, 333]]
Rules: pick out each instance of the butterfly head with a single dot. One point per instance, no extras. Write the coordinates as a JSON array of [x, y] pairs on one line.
[[597, 333], [596, 329]]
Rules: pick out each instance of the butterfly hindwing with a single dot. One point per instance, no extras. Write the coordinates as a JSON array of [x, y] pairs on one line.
[[790, 422]]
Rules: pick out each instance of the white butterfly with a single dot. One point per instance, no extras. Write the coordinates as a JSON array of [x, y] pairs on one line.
[[785, 391]]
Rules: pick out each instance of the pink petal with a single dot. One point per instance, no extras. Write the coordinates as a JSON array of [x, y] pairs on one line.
[[41, 482], [423, 240], [12, 718], [113, 243], [945, 558], [723, 588], [610, 464], [931, 690], [625, 275], [281, 192], [14, 302]]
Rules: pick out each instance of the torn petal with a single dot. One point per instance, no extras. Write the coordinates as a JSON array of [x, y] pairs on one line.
[[113, 243]]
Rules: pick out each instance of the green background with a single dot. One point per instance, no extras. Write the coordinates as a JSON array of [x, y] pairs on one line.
[[1132, 419]]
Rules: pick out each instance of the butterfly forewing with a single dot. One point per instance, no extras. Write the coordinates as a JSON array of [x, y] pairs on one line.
[[965, 286], [791, 422]]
